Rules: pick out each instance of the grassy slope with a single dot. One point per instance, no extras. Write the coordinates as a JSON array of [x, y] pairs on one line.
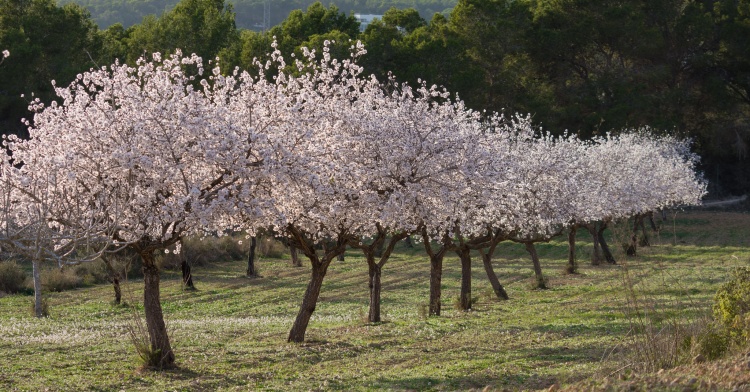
[[231, 332]]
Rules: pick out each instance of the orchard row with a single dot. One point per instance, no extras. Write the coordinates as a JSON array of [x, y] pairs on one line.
[[315, 151]]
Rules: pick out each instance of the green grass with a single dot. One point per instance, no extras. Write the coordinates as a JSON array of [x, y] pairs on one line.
[[230, 334]]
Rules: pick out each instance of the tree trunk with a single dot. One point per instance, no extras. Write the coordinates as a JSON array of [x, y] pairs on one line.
[[436, 277], [409, 242], [572, 264], [297, 333], [340, 257], [375, 272], [651, 220], [162, 356], [115, 278], [296, 262], [465, 299], [540, 283], [118, 292], [251, 271], [633, 247], [603, 244], [596, 257], [187, 275], [39, 310], [492, 277], [644, 241]]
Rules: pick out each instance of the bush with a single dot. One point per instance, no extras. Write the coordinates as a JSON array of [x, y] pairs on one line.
[[60, 279], [732, 305], [12, 277]]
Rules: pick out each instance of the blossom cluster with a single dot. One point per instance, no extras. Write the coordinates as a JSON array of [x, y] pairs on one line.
[[168, 148]]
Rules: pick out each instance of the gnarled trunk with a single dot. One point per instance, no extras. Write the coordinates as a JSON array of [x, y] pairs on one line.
[[118, 292], [375, 273], [603, 244], [645, 240], [375, 269], [436, 270], [465, 299], [436, 277], [114, 276], [572, 267], [632, 249], [297, 333], [37, 277], [296, 262], [540, 283], [251, 271], [163, 356], [596, 258], [492, 277], [187, 275]]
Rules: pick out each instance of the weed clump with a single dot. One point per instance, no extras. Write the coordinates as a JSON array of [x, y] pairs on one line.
[[661, 340], [711, 342], [12, 277], [732, 305]]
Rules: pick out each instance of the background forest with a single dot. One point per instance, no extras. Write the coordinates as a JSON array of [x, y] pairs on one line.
[[586, 67]]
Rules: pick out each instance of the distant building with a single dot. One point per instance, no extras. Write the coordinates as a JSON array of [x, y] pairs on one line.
[[365, 19]]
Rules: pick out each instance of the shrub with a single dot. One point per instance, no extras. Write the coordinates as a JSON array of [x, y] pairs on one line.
[[12, 277], [270, 247], [732, 305], [92, 273], [60, 279], [208, 250], [711, 341]]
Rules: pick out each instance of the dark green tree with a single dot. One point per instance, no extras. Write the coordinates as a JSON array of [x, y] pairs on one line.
[[300, 26], [47, 43], [492, 33], [203, 27]]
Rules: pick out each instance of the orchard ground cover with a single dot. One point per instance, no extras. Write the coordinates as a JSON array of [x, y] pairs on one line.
[[231, 332]]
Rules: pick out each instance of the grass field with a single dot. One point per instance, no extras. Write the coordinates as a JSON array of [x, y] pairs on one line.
[[230, 334]]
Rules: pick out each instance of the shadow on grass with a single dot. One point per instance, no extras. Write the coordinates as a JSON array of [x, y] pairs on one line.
[[481, 381]]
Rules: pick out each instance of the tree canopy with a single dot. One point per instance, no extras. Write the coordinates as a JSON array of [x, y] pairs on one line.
[[589, 68]]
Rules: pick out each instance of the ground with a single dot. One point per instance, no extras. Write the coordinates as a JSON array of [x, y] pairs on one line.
[[230, 333]]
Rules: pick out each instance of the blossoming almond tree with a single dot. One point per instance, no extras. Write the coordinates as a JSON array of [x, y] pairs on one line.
[[41, 217], [42, 220], [310, 191], [632, 174], [156, 152], [409, 146]]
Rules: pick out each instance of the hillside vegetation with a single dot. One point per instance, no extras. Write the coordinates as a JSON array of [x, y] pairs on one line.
[[588, 68], [249, 13], [231, 331]]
